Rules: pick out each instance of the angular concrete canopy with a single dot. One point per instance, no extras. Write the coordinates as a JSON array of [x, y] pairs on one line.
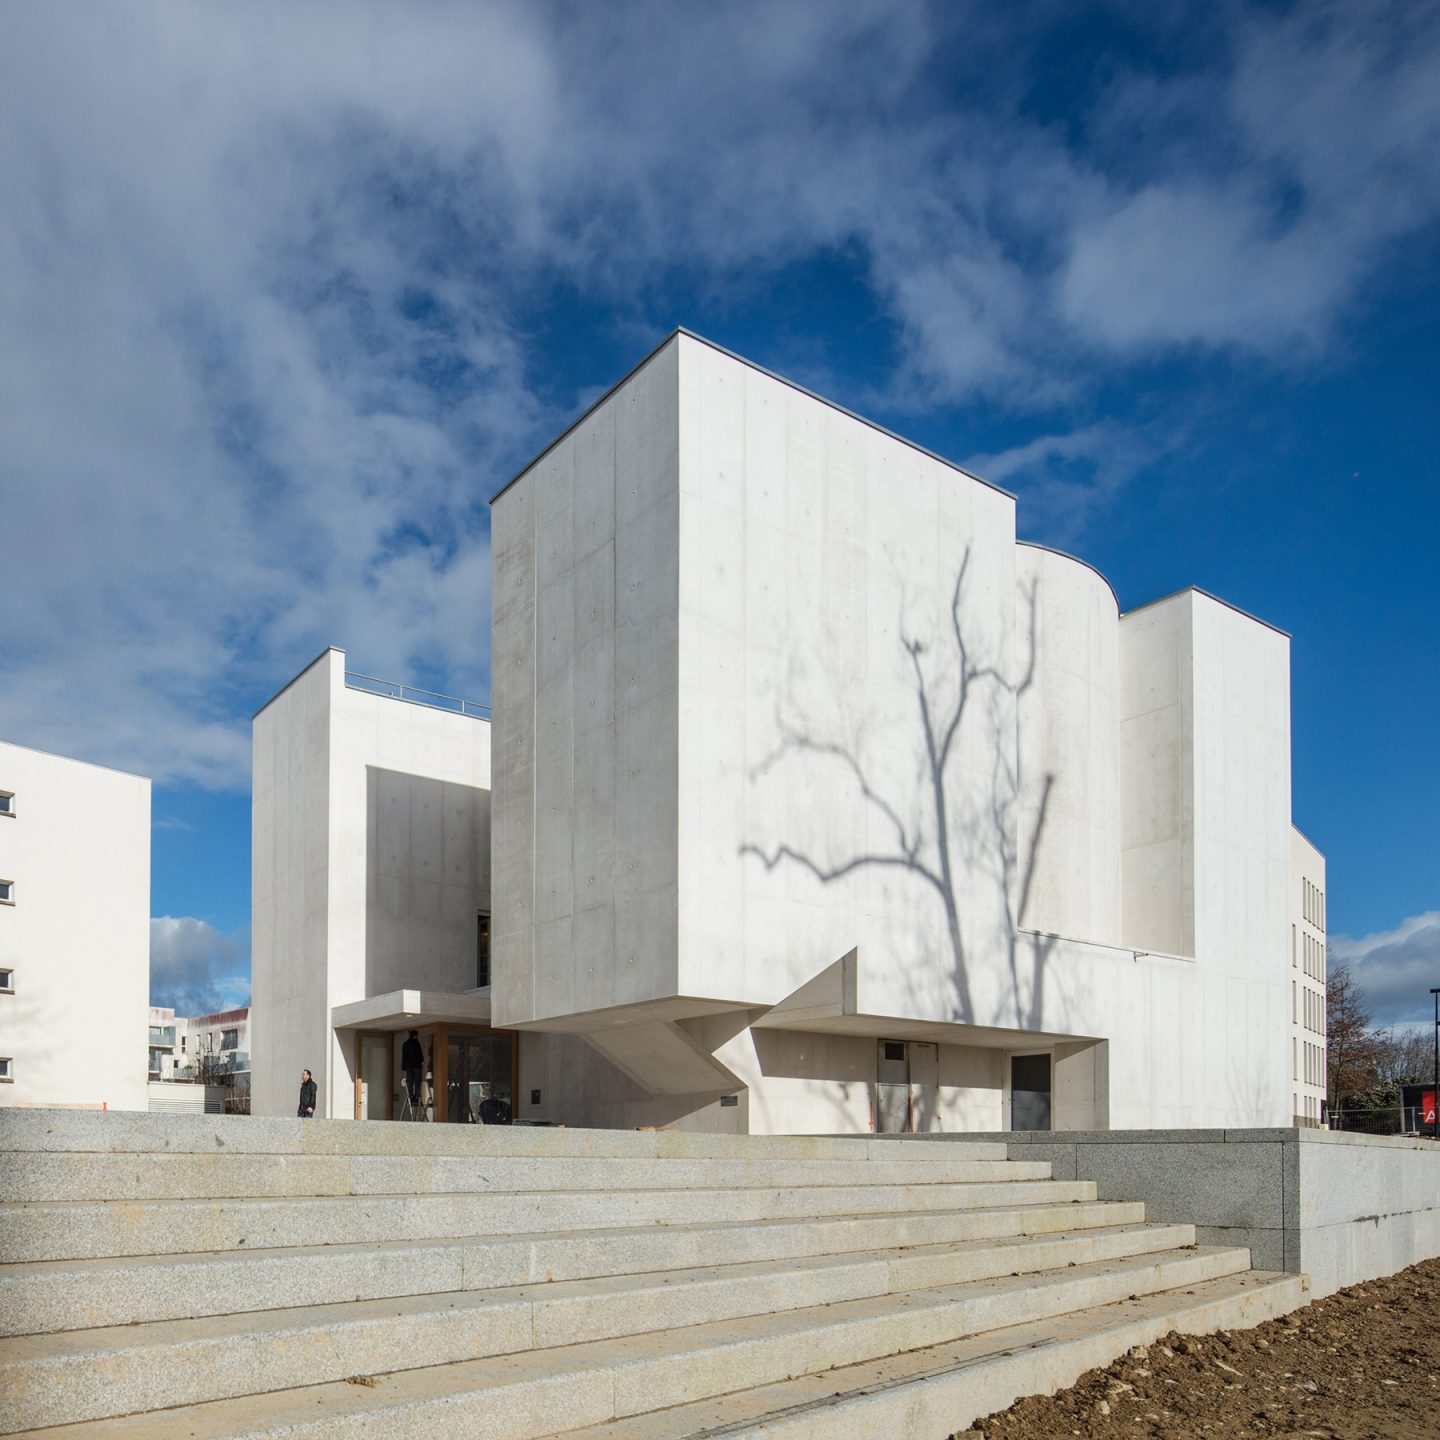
[[399, 1009]]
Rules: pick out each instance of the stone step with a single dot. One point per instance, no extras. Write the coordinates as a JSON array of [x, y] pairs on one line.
[[134, 1132], [62, 1295], [545, 1392], [73, 1230], [31, 1178], [944, 1388], [53, 1380]]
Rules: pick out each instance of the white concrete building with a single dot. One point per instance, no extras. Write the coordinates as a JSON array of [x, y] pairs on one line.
[[819, 803], [1309, 970], [74, 932], [370, 891]]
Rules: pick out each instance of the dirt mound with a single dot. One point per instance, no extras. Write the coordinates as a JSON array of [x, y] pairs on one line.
[[1360, 1364]]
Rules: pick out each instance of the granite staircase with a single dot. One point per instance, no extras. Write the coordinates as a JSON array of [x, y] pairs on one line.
[[227, 1277]]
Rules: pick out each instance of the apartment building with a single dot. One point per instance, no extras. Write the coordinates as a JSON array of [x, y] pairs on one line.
[[74, 932]]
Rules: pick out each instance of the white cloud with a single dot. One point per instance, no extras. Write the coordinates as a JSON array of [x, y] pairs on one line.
[[1066, 478], [1323, 152], [1395, 968], [272, 284], [195, 969]]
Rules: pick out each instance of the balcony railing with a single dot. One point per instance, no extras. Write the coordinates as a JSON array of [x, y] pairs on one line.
[[414, 696]]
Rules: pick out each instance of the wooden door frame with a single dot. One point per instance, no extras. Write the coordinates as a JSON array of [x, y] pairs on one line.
[[438, 1034], [440, 1068]]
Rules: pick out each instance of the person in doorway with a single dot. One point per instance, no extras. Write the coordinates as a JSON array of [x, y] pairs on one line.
[[306, 1110], [493, 1110], [412, 1062]]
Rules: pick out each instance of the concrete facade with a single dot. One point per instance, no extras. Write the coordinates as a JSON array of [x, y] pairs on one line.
[[799, 753], [370, 865], [819, 804], [74, 932], [1338, 1207]]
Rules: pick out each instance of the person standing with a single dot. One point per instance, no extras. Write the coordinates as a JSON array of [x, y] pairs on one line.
[[493, 1110], [412, 1062], [306, 1110]]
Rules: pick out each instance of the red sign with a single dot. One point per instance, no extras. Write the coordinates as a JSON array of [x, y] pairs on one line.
[[1427, 1105]]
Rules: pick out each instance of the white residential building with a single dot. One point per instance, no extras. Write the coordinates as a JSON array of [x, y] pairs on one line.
[[167, 1043], [216, 1044], [819, 803], [74, 932], [1309, 970]]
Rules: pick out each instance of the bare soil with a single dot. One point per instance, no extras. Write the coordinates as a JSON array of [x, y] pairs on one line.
[[1358, 1365]]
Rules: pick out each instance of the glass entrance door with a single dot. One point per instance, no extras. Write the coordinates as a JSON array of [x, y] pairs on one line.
[[479, 1077]]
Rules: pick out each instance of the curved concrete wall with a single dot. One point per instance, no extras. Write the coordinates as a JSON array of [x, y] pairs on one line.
[[1069, 823]]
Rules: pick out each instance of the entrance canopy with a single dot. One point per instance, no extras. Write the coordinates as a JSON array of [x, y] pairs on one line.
[[402, 1009]]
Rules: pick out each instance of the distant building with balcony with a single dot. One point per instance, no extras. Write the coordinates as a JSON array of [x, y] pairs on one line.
[[166, 1054], [74, 931], [216, 1045]]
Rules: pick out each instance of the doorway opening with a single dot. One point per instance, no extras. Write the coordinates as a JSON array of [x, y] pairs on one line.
[[471, 1074], [1030, 1092]]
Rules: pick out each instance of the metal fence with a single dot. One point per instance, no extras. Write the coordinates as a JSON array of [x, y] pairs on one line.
[[1391, 1120]]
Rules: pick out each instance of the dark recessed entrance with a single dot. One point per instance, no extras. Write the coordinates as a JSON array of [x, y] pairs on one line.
[[1029, 1092]]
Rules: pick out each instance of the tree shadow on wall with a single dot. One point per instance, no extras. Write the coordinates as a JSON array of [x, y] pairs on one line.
[[955, 836]]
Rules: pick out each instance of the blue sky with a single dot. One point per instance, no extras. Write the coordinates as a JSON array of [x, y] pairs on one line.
[[287, 292]]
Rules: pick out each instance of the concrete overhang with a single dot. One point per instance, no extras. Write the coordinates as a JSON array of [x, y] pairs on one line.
[[938, 1032], [621, 1017], [401, 1009], [828, 1005]]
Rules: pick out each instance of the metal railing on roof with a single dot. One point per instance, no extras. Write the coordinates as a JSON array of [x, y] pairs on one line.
[[415, 696]]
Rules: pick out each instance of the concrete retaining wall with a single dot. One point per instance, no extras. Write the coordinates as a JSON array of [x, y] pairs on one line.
[[1340, 1208]]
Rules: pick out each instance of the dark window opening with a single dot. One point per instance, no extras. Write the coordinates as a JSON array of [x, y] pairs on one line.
[[482, 950]]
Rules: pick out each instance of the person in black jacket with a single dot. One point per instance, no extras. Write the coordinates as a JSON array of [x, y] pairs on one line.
[[307, 1096], [493, 1110], [412, 1062]]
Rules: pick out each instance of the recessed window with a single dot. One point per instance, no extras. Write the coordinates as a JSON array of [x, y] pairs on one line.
[[7, 982], [229, 1039], [7, 892], [7, 802], [482, 950], [7, 1070]]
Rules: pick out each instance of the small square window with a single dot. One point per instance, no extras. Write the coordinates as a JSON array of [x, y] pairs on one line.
[[7, 1069], [7, 892], [7, 802], [7, 981]]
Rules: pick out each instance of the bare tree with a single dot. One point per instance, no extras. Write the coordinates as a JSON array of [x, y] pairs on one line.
[[924, 845], [1353, 1050], [1406, 1057]]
